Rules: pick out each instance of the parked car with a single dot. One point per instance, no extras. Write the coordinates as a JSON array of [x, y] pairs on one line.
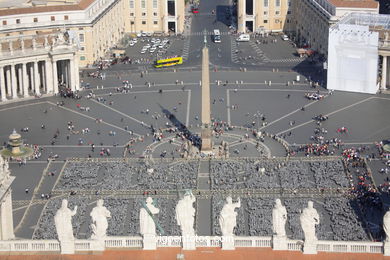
[[285, 37]]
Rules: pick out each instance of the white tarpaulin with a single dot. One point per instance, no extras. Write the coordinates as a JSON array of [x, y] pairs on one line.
[[353, 59]]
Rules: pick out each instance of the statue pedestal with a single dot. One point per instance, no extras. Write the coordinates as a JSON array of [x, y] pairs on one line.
[[310, 247], [228, 243], [98, 245], [279, 242], [188, 242], [386, 248], [67, 247], [149, 242]]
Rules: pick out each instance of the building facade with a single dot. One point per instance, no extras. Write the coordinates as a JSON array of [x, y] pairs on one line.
[[313, 18], [32, 65], [264, 15], [166, 16], [95, 25]]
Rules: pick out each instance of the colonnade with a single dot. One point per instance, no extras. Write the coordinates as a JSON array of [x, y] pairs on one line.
[[37, 77]]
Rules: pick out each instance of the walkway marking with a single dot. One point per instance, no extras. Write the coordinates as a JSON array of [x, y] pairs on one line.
[[89, 117], [188, 108], [287, 115], [279, 89], [331, 113], [25, 105], [140, 92], [228, 105], [80, 146], [121, 113]]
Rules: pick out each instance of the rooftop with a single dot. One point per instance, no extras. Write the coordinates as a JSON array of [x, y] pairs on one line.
[[355, 3], [374, 21]]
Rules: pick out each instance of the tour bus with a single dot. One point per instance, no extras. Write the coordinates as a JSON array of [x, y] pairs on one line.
[[168, 62], [217, 36]]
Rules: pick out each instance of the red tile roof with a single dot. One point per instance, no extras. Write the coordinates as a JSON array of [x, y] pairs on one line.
[[355, 3]]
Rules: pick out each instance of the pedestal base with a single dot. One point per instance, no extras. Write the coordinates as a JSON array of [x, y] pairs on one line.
[[310, 247], [206, 137], [188, 242], [149, 242], [67, 248], [98, 245], [279, 243], [228, 243], [386, 248]]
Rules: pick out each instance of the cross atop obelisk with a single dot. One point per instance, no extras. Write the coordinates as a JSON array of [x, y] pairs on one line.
[[206, 122]]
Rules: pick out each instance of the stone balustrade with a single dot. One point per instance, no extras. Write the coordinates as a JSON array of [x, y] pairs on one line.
[[82, 245]]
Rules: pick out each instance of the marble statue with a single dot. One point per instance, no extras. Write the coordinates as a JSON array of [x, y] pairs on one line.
[[63, 223], [227, 218], [185, 214], [147, 225], [279, 218], [99, 215], [386, 225], [22, 44], [309, 219], [34, 43]]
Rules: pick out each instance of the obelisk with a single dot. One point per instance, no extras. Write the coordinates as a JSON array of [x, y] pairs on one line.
[[206, 124]]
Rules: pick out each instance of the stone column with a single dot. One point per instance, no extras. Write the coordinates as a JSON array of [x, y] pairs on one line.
[[71, 74], [55, 77], [43, 76], [384, 73], [2, 85], [36, 79], [76, 72], [65, 73], [20, 77], [25, 80], [14, 84], [49, 77], [7, 226], [8, 79]]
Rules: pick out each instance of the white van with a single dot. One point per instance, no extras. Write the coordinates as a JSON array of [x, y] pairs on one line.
[[243, 38]]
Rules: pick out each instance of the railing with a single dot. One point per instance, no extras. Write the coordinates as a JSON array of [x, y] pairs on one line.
[[200, 241], [350, 247], [29, 245], [252, 241], [124, 242]]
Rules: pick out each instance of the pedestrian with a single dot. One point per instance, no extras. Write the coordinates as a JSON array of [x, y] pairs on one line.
[[26, 190]]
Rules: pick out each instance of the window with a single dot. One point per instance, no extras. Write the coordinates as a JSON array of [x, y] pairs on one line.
[[131, 3], [131, 14], [155, 14], [143, 14], [155, 22], [82, 57], [277, 12], [265, 13], [132, 22], [288, 12], [18, 21], [265, 21], [143, 3], [143, 22], [82, 48], [4, 22], [289, 2], [52, 18], [35, 20], [154, 3], [81, 37], [265, 3], [277, 3], [66, 17], [277, 21]]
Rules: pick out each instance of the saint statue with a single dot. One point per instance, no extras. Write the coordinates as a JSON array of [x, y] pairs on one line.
[[227, 218], [99, 215], [146, 221], [309, 219], [63, 222], [279, 218], [386, 225], [185, 215]]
